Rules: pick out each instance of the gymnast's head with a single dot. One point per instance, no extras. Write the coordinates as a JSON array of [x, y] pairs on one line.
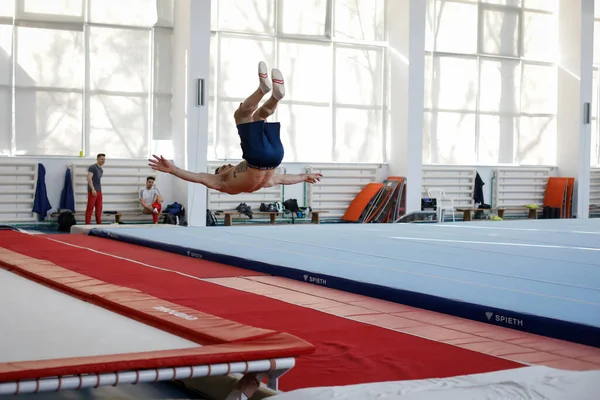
[[223, 169]]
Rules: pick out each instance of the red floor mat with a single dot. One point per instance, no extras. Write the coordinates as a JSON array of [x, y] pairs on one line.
[[185, 265], [348, 352]]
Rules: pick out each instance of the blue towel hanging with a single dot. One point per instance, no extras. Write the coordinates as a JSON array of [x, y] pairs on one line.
[[41, 204], [67, 197]]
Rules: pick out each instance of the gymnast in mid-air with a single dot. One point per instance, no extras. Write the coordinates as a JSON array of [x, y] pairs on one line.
[[262, 150]]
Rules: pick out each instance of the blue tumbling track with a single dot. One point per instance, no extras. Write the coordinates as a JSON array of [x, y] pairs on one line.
[[538, 276]]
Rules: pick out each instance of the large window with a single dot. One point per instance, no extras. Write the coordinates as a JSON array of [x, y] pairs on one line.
[[595, 148], [332, 55], [84, 75], [490, 82]]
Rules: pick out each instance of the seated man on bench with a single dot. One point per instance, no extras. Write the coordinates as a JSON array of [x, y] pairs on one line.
[[151, 199], [261, 146]]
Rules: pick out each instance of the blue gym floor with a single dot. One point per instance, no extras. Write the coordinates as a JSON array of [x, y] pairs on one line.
[[540, 276]]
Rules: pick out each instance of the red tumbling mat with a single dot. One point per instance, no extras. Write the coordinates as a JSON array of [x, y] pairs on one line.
[[398, 202], [223, 341], [347, 352], [559, 194], [381, 203], [361, 201], [569, 203], [556, 191]]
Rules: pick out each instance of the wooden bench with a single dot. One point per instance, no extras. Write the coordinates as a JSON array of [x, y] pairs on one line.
[[118, 215], [315, 216], [229, 216], [467, 212], [532, 213], [82, 215]]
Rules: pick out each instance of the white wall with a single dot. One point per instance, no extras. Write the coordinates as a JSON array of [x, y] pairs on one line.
[[407, 77], [297, 191], [191, 55], [486, 172], [56, 169], [576, 33]]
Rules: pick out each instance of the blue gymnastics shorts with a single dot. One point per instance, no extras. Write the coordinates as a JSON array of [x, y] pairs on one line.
[[261, 144]]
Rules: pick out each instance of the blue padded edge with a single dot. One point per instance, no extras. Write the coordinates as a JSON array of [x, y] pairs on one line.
[[544, 326], [9, 228]]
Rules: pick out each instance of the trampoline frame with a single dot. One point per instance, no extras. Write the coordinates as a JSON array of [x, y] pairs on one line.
[[226, 347], [253, 373]]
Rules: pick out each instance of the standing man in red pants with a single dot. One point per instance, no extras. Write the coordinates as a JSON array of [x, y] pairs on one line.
[[94, 199]]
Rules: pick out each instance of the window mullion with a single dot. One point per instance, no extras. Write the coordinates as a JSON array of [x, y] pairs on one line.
[[384, 103], [597, 125], [333, 102], [217, 95], [480, 28], [520, 114], [477, 109], [521, 31], [151, 72], [13, 91], [329, 29], [85, 135], [331, 32], [277, 16], [85, 120]]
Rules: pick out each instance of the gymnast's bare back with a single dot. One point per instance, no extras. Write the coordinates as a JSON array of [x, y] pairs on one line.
[[261, 146], [242, 179]]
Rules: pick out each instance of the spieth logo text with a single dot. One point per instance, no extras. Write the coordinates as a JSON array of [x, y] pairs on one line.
[[503, 319], [194, 254], [176, 313], [315, 280]]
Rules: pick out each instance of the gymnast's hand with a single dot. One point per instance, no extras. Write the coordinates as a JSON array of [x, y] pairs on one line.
[[312, 178], [161, 164]]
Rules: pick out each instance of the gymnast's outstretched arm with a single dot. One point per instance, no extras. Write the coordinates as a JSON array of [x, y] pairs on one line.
[[209, 180], [292, 179]]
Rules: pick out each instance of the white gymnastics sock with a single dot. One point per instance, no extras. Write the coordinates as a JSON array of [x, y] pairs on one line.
[[263, 78], [278, 84]]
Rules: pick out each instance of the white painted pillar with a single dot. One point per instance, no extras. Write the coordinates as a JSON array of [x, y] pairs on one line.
[[576, 49], [191, 62], [406, 22]]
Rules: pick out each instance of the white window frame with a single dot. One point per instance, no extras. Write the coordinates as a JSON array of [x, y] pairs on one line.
[[480, 55], [327, 37], [595, 161], [82, 24]]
